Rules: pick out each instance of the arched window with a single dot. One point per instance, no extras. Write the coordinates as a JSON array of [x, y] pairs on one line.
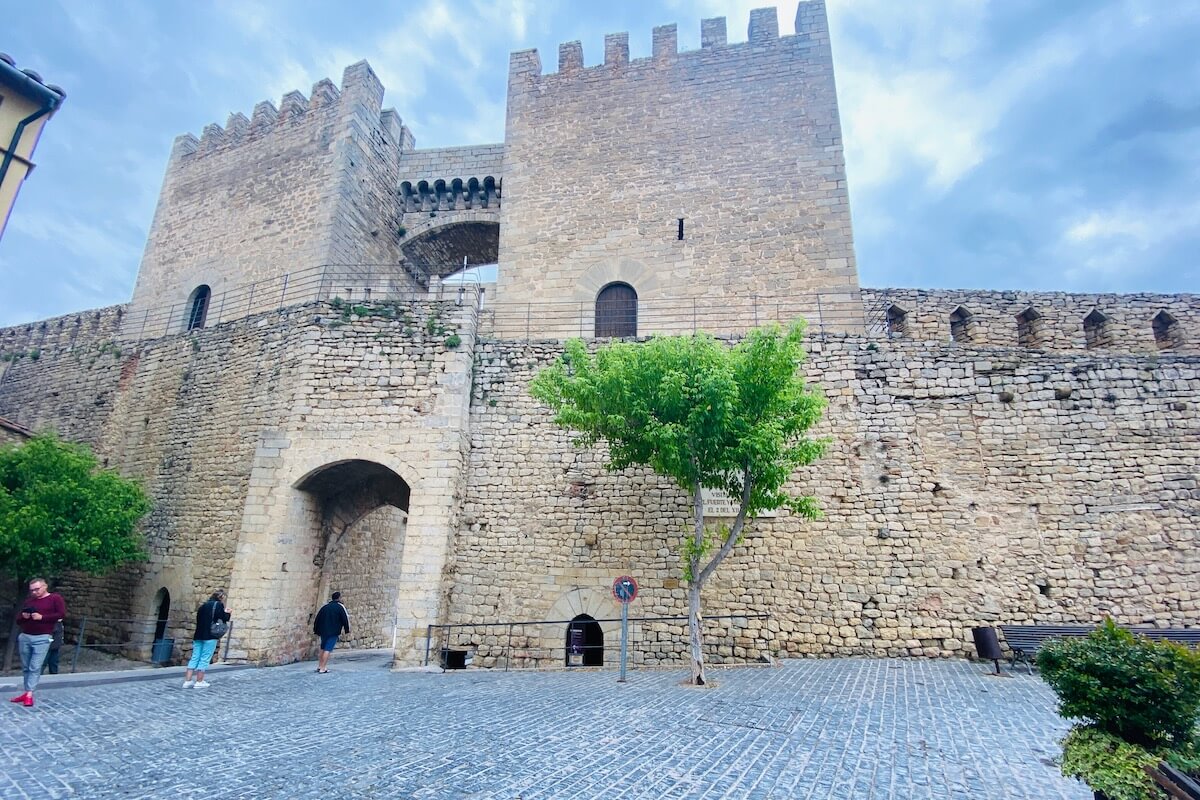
[[616, 311], [198, 307]]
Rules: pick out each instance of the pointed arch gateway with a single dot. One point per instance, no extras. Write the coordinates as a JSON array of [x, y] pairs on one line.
[[357, 514]]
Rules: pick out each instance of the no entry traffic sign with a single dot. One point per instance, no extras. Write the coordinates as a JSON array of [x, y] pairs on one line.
[[625, 589]]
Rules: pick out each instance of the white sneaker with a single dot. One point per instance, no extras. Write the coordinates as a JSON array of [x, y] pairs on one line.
[[202, 684], [188, 684]]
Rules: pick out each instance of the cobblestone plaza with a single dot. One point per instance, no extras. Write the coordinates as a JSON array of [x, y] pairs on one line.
[[847, 728]]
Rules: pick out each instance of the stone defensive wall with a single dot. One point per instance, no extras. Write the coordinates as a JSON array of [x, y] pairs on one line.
[[309, 183], [93, 329], [960, 488], [1131, 323], [689, 142], [286, 453], [382, 449]]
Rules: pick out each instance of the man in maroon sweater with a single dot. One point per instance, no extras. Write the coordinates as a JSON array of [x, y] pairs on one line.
[[36, 619]]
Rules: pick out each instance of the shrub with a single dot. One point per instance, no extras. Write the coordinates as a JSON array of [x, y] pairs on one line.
[[1145, 692], [453, 341], [1109, 764]]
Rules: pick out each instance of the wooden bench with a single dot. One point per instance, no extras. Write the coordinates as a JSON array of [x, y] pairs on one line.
[[1026, 640]]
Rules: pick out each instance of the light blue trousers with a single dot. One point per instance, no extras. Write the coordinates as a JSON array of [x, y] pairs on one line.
[[33, 652], [202, 652]]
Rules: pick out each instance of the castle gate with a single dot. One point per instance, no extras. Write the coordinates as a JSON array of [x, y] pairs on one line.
[[358, 511]]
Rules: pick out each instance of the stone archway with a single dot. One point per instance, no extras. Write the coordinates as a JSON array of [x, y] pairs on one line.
[[357, 511], [445, 247]]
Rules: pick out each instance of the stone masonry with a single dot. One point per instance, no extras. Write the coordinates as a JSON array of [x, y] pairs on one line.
[[995, 457], [740, 141]]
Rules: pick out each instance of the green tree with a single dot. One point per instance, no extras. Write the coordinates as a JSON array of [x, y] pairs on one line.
[[60, 512], [706, 416]]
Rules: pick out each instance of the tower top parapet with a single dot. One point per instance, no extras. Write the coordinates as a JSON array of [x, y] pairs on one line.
[[360, 87], [763, 30]]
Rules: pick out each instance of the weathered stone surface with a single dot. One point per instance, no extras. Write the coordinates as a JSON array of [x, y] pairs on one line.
[[994, 456]]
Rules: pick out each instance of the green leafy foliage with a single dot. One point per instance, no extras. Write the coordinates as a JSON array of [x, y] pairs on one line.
[[1109, 764], [453, 341], [703, 414], [59, 511], [1143, 691], [695, 410]]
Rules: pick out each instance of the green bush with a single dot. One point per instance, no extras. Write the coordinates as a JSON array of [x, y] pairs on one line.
[[1142, 691], [1109, 764], [453, 341]]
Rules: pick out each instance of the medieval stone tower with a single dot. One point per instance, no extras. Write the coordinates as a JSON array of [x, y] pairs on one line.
[[313, 408], [716, 161]]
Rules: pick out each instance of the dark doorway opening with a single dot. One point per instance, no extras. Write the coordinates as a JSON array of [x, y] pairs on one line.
[[585, 642], [616, 311], [163, 603]]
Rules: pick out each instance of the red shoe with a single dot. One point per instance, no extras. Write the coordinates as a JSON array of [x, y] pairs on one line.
[[29, 701], [19, 698]]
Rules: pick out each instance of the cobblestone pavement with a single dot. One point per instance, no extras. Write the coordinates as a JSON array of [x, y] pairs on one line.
[[862, 729]]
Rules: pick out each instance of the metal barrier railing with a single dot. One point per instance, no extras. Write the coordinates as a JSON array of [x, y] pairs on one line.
[[132, 638], [725, 641], [833, 311]]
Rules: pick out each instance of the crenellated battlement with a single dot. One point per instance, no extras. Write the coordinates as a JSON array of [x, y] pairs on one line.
[[810, 26], [359, 86]]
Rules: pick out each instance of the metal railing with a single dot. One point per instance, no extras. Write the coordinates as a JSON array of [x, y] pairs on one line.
[[826, 311], [353, 283], [653, 641], [132, 638]]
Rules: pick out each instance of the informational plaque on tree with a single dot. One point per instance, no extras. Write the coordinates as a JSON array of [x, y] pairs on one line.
[[718, 504]]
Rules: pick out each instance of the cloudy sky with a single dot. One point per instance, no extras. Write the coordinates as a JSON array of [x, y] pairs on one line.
[[995, 144]]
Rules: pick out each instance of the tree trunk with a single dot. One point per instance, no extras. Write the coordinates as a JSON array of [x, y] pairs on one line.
[[11, 647], [694, 632]]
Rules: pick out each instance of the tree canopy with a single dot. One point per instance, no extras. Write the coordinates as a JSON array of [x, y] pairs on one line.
[[59, 511], [703, 414]]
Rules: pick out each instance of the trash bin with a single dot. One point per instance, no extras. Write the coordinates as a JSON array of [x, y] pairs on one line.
[[161, 650], [454, 659], [987, 643]]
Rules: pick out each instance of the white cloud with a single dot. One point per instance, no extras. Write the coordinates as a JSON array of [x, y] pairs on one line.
[[96, 243], [1114, 242]]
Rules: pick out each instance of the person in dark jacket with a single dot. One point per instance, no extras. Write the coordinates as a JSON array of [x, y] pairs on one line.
[[331, 621], [204, 641]]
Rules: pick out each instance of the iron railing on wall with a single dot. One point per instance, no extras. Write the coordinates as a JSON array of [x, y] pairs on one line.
[[510, 642], [353, 283], [826, 312], [133, 639]]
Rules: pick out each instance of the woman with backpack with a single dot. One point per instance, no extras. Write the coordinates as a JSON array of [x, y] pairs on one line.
[[212, 621]]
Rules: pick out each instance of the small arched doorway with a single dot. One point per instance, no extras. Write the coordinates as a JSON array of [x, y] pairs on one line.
[[616, 311], [585, 642], [162, 605]]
